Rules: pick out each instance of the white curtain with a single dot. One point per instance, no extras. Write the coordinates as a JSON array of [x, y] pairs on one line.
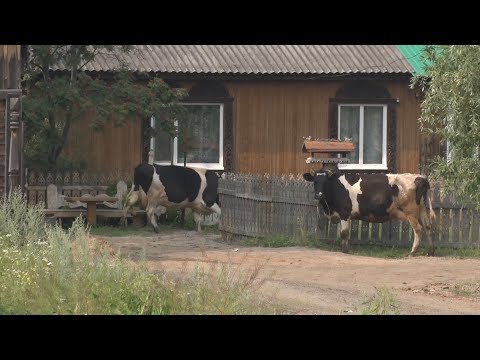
[[201, 134], [372, 134], [350, 128]]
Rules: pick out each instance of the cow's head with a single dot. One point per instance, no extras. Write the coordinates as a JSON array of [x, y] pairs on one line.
[[319, 179]]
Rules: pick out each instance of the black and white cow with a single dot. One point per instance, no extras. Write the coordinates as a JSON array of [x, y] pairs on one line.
[[174, 186], [374, 198]]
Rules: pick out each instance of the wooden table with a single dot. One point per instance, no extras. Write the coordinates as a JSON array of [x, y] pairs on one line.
[[91, 202]]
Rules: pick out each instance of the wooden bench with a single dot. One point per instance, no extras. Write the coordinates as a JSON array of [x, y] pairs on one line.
[[105, 213]]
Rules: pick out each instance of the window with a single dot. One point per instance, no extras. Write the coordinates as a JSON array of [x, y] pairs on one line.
[[366, 125], [201, 136]]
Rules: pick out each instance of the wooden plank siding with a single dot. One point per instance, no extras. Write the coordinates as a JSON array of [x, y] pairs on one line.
[[408, 130], [110, 150], [9, 66], [270, 119]]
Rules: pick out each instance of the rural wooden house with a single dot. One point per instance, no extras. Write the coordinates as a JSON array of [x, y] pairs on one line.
[[251, 105]]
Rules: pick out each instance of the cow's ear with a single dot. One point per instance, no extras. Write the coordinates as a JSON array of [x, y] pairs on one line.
[[308, 176]]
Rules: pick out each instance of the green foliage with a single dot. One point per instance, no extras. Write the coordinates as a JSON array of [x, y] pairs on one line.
[[467, 289], [54, 101], [20, 223], [301, 238], [47, 270], [270, 241], [382, 303], [451, 111]]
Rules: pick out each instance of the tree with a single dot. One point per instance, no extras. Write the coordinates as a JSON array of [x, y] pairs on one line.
[[451, 111], [55, 100]]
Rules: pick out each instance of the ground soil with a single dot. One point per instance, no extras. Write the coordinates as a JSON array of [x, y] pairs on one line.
[[302, 280]]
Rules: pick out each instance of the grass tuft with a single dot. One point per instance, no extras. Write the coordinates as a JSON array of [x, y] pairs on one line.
[[383, 302]]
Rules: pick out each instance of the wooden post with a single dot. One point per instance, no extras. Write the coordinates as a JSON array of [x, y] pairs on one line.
[[13, 139], [182, 215], [92, 213]]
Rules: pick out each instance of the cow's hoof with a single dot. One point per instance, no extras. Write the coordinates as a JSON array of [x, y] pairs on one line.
[[411, 255], [431, 253], [345, 249], [156, 229]]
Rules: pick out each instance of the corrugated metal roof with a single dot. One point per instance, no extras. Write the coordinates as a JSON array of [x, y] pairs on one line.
[[412, 54], [258, 59]]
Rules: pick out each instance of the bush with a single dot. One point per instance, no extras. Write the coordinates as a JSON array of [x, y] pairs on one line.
[[47, 270]]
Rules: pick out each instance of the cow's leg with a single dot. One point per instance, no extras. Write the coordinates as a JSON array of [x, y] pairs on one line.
[[197, 216], [198, 219], [399, 214], [130, 200], [344, 234], [152, 218], [417, 229], [428, 227]]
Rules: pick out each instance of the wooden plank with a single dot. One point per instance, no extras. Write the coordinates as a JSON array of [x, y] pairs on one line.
[[455, 226], [120, 147], [464, 225], [384, 233], [67, 213], [364, 229], [333, 231], [445, 221], [327, 146], [475, 233], [406, 234], [322, 226], [375, 233], [334, 160], [88, 199]]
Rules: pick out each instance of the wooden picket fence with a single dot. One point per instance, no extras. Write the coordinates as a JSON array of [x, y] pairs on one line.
[[70, 183], [261, 206]]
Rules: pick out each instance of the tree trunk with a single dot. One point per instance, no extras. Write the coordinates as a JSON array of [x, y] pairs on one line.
[[55, 148]]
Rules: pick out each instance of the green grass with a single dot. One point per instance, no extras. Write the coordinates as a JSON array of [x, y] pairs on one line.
[[383, 302], [167, 223], [45, 269], [389, 252], [468, 289]]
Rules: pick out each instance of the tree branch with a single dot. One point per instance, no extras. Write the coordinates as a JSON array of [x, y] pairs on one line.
[[95, 53]]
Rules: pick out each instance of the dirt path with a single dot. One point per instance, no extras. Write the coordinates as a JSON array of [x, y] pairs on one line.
[[312, 281]]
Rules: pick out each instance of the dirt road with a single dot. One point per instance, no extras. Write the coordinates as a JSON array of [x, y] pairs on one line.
[[311, 281]]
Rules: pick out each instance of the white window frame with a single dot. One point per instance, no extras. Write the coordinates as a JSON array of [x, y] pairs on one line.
[[361, 165], [210, 166]]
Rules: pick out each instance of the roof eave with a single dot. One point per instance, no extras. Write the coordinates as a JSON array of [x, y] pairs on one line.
[[264, 76]]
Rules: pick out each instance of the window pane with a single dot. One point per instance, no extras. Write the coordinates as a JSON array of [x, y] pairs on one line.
[[372, 134], [349, 128], [162, 151], [200, 134]]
